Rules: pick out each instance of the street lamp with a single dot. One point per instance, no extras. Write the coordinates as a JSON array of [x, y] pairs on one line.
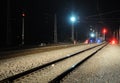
[[73, 19]]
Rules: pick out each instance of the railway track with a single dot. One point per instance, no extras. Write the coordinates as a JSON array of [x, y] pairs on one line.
[[44, 70]]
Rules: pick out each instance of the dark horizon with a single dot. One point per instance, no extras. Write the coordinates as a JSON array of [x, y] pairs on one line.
[[39, 19]]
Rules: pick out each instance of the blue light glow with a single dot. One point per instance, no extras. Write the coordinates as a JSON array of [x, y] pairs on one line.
[[98, 41]]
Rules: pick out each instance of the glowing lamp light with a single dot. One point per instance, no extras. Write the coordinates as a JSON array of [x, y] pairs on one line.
[[98, 41], [23, 14], [91, 41], [104, 31], [86, 41], [92, 35], [73, 19], [114, 41]]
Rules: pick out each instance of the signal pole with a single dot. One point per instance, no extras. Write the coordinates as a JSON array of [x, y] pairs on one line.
[[23, 15], [104, 33]]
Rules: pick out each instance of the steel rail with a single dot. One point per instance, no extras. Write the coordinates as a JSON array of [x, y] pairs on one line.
[[12, 78], [61, 76]]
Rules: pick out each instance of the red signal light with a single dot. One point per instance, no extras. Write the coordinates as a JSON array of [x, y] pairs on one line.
[[113, 41], [23, 14], [104, 31]]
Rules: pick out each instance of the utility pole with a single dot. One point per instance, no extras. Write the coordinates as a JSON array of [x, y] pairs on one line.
[[73, 32], [73, 19], [23, 25], [55, 29]]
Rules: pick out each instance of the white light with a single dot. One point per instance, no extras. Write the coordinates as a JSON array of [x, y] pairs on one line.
[[72, 19], [53, 65], [92, 35]]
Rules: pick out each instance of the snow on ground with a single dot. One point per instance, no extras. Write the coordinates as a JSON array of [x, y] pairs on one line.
[[12, 66], [104, 67]]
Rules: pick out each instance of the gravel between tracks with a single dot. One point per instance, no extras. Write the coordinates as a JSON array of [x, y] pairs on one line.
[[104, 67], [12, 66], [47, 74]]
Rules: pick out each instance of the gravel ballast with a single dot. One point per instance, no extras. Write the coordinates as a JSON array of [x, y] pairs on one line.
[[104, 67], [15, 65]]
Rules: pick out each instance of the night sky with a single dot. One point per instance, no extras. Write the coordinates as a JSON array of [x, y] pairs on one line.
[[39, 19]]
